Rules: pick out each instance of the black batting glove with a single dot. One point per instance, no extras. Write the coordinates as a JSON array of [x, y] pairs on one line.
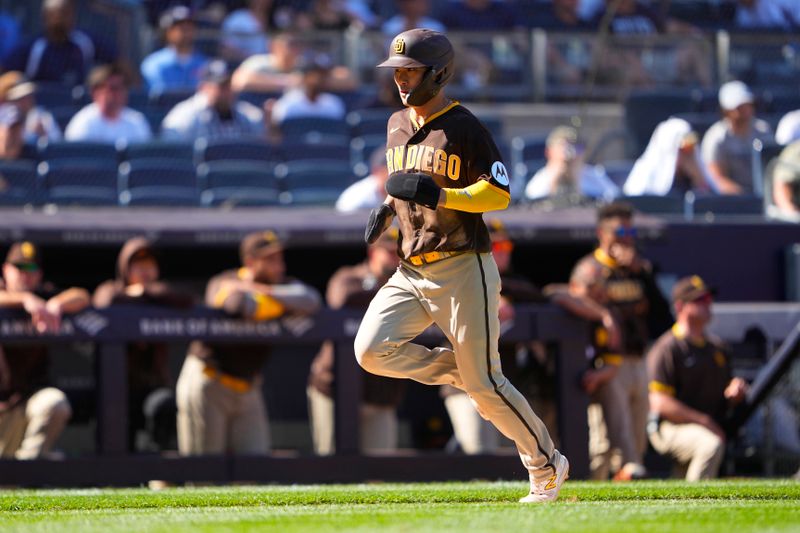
[[414, 187], [380, 218]]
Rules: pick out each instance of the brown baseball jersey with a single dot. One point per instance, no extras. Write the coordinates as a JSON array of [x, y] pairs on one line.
[[624, 293], [456, 150], [696, 374]]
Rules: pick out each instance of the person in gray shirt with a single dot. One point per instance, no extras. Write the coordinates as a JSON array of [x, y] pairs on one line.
[[213, 111], [727, 146]]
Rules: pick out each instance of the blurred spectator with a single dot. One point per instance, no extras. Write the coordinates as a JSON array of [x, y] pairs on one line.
[[368, 192], [176, 67], [244, 32], [411, 14], [151, 401], [62, 54], [12, 132], [9, 36], [310, 99], [213, 111], [277, 71], [788, 129], [560, 15], [273, 72], [354, 287], [685, 63], [39, 123], [108, 118], [326, 15], [619, 280], [568, 57], [728, 145], [671, 163], [220, 403], [691, 386], [32, 414], [386, 94], [786, 180], [566, 179], [755, 14], [480, 15]]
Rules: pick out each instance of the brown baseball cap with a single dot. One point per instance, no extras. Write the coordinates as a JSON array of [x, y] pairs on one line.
[[258, 243], [690, 288], [24, 255]]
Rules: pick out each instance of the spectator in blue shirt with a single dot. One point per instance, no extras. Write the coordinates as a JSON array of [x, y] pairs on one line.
[[177, 66], [62, 54]]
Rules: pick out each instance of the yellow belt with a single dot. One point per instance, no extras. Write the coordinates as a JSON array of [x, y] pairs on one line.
[[233, 383], [431, 257]]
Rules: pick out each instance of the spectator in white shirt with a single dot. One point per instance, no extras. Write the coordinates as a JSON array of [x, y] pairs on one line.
[[310, 98], [566, 175], [213, 111], [369, 192], [108, 118], [788, 128], [671, 163]]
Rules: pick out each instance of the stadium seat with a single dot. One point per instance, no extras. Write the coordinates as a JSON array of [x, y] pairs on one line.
[[526, 148], [257, 98], [238, 183], [50, 95], [302, 127], [296, 151], [313, 181], [369, 121], [157, 182], [18, 183], [239, 149], [361, 148], [618, 170], [177, 150], [705, 206], [63, 114], [494, 124], [657, 205], [49, 151], [763, 154], [168, 99], [78, 182]]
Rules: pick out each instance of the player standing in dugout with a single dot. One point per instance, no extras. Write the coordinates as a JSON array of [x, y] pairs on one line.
[[445, 170]]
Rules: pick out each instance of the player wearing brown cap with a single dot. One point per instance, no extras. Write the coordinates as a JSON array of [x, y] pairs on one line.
[[691, 386], [32, 414], [151, 400], [220, 404], [445, 171]]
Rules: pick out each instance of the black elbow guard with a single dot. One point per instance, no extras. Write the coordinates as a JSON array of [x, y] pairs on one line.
[[380, 218]]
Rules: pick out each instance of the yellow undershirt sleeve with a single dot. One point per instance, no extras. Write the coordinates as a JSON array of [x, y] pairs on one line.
[[477, 198], [267, 307]]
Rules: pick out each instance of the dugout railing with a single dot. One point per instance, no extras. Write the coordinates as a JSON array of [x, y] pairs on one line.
[[111, 328]]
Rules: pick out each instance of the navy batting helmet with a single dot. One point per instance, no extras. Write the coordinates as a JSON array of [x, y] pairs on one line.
[[422, 48]]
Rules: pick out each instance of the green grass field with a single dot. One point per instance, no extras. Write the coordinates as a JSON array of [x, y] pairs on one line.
[[736, 506]]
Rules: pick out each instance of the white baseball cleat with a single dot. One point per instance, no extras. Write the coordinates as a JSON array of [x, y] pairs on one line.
[[546, 489]]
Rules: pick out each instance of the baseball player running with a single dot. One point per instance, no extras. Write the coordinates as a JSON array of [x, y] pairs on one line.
[[445, 170]]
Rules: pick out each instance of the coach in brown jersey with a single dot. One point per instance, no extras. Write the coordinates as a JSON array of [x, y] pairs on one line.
[[445, 170], [691, 387]]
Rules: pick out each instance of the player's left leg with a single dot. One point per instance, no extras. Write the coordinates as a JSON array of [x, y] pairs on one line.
[[464, 304]]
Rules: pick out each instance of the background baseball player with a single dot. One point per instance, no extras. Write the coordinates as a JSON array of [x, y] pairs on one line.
[[445, 170]]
